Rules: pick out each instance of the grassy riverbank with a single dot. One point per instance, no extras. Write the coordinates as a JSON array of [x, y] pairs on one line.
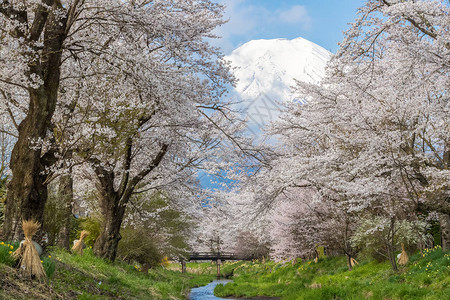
[[87, 277], [426, 276]]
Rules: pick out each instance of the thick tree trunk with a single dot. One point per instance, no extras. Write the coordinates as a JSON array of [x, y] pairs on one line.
[[65, 194], [27, 192], [113, 213]]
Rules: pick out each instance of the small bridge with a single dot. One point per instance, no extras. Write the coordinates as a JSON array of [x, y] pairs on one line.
[[218, 257], [215, 256]]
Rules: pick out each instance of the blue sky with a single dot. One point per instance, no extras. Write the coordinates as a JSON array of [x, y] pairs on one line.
[[320, 21]]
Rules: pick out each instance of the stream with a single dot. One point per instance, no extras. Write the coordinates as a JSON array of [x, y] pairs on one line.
[[207, 292]]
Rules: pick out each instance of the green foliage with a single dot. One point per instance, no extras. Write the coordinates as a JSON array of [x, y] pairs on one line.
[[168, 222], [427, 276], [49, 265], [91, 224], [137, 245], [75, 228], [6, 258], [6, 250], [435, 232]]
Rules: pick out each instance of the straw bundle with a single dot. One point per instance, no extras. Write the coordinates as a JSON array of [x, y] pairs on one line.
[[403, 259], [30, 263], [78, 247]]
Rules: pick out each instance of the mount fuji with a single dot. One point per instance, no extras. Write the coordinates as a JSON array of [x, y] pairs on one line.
[[266, 70]]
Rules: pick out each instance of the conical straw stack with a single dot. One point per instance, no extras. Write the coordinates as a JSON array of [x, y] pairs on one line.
[[403, 259], [30, 262], [78, 247]]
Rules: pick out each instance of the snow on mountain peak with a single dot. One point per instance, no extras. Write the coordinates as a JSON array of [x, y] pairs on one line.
[[266, 70], [270, 66]]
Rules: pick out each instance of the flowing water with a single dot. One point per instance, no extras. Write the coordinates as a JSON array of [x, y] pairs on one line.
[[207, 292]]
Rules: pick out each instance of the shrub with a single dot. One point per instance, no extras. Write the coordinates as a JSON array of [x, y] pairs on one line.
[[93, 225], [137, 246], [372, 235]]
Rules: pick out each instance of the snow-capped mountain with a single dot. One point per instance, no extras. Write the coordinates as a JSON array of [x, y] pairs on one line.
[[266, 70]]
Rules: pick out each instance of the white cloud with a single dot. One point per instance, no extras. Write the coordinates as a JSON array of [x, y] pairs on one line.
[[249, 20], [296, 14]]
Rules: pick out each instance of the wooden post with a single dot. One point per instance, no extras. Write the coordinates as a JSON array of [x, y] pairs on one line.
[[218, 268], [183, 266]]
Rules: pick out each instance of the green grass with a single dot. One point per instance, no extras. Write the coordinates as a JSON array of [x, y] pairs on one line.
[[426, 276], [88, 277], [205, 268]]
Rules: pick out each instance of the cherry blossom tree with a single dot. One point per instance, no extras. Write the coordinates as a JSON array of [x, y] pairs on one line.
[[374, 133], [130, 87], [155, 116], [305, 218], [385, 110]]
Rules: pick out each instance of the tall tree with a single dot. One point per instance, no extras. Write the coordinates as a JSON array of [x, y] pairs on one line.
[[60, 56], [32, 45], [152, 114]]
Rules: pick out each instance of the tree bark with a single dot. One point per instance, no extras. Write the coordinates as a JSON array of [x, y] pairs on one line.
[[390, 246], [65, 194], [26, 194], [27, 191], [113, 212]]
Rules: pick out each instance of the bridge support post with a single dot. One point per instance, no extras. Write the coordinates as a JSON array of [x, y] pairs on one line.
[[218, 267], [183, 266]]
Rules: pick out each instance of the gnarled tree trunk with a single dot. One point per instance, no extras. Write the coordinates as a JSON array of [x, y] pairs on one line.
[[27, 191], [113, 213], [26, 194]]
